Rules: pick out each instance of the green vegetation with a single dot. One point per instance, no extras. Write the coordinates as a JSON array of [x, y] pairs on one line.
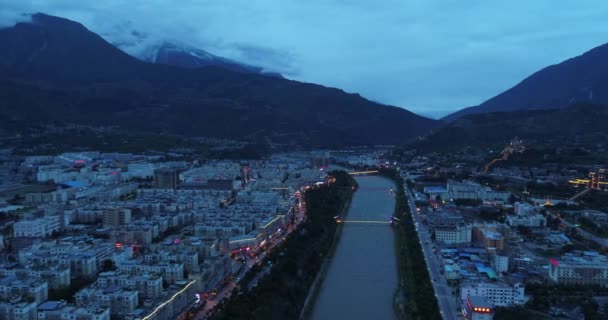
[[415, 298], [281, 294], [590, 226], [564, 136], [108, 265], [545, 296], [467, 202], [109, 141], [516, 313], [596, 200], [547, 189], [68, 293], [43, 140]]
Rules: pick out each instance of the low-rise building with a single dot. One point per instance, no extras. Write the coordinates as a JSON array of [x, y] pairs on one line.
[[149, 286], [171, 272], [491, 235], [33, 289], [580, 268], [121, 302], [83, 265], [478, 308], [179, 297], [40, 227], [499, 294], [18, 310], [460, 234], [532, 220], [474, 191], [60, 310], [444, 218], [523, 208], [500, 263], [116, 216], [57, 277]]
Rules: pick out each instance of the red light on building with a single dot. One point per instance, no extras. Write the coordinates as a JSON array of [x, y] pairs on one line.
[[477, 305], [79, 163]]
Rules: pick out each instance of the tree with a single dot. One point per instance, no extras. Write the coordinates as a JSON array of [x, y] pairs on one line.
[[524, 231], [108, 265]]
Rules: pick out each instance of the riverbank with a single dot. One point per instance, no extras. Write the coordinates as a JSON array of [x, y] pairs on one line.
[[282, 293], [414, 298], [359, 281], [315, 288]]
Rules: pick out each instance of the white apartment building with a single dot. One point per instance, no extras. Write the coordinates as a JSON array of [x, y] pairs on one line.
[[522, 208], [474, 191], [535, 220], [80, 264], [460, 234], [499, 294], [120, 302], [55, 310], [500, 263], [33, 289], [171, 272], [587, 268], [40, 227], [18, 310], [56, 277], [149, 286]]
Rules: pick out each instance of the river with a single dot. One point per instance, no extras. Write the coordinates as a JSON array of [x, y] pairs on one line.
[[362, 275]]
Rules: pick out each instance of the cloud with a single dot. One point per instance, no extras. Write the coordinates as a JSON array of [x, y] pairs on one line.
[[430, 56]]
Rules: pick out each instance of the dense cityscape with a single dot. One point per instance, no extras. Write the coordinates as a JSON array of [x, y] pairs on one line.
[[232, 160], [127, 236]]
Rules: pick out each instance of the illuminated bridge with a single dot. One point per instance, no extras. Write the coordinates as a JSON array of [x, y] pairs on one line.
[[359, 173], [364, 221]]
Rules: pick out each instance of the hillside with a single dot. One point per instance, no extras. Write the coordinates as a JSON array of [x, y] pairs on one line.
[[581, 126], [189, 57], [56, 69], [583, 79]]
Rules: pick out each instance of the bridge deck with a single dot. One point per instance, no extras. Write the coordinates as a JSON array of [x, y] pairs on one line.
[[366, 221], [356, 173]]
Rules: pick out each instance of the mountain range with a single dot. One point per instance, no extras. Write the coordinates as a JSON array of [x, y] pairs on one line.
[[582, 79], [54, 69], [185, 56], [582, 124]]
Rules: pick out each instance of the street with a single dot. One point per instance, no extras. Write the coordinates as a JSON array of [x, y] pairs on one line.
[[226, 291], [448, 303]]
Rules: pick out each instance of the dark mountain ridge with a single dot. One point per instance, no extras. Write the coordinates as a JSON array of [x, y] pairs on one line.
[[56, 69], [582, 79], [582, 124], [187, 57]]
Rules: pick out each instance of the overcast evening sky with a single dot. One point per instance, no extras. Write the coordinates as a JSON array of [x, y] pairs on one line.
[[428, 56]]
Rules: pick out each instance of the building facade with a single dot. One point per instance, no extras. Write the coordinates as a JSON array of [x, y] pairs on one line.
[[499, 294]]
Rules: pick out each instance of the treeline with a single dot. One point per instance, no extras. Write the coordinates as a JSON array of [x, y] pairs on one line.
[[545, 296], [282, 293], [415, 298]]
